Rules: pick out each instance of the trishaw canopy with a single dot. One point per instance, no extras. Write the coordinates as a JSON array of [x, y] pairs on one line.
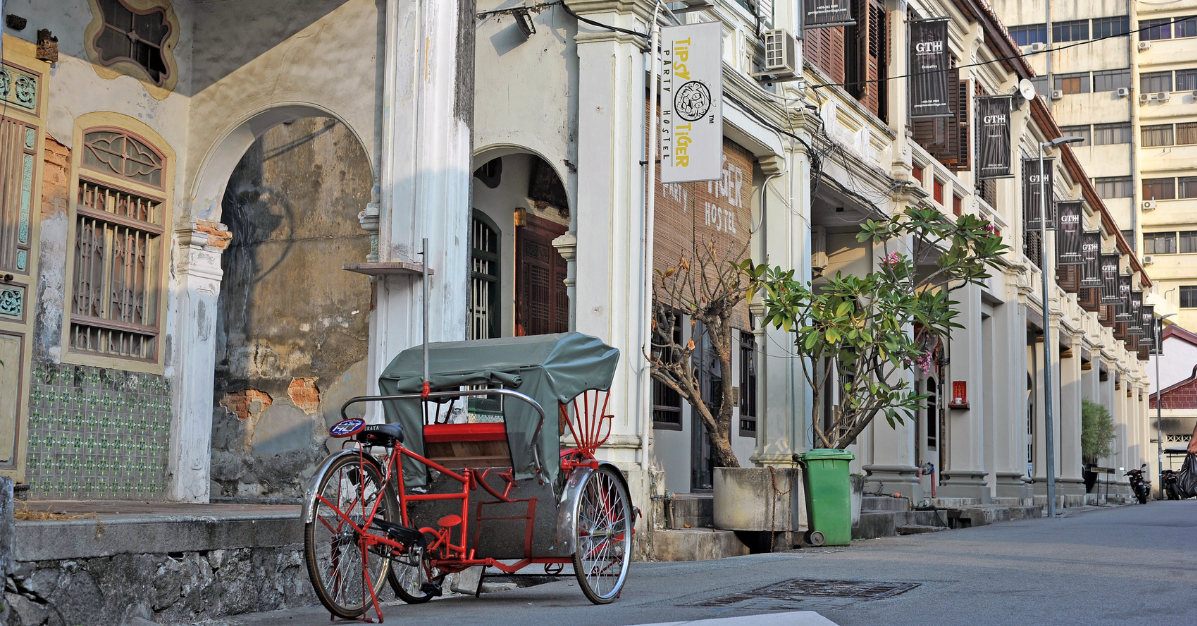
[[548, 368]]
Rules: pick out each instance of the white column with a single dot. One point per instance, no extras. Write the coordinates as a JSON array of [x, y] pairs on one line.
[[1008, 399], [1070, 481], [192, 365], [964, 473], [425, 181]]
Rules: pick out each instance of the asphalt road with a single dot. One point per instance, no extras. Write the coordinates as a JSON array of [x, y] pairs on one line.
[[1126, 565]]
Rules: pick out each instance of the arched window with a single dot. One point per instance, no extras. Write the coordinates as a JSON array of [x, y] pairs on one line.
[[118, 266], [485, 319]]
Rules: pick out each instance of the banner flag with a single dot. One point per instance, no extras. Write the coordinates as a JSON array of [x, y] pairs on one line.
[[826, 13], [1122, 313], [692, 103], [993, 137], [1068, 235], [1147, 315], [1091, 255], [1109, 279], [1135, 326], [929, 69], [1031, 191]]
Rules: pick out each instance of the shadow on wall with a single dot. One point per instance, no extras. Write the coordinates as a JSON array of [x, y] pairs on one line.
[[292, 327]]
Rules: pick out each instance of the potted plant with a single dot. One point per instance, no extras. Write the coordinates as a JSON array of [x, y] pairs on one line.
[[1097, 437], [857, 335]]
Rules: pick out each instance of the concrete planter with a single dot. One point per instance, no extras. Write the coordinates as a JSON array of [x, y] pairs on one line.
[[759, 499], [858, 483]]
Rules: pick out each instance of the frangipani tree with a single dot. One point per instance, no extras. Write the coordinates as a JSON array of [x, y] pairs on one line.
[[861, 329]]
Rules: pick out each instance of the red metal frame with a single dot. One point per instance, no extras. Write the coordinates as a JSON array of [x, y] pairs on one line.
[[590, 427]]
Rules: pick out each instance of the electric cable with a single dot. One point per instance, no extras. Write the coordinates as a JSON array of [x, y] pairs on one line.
[[600, 25]]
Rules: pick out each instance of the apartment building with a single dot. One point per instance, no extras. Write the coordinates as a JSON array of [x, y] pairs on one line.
[[1123, 74]]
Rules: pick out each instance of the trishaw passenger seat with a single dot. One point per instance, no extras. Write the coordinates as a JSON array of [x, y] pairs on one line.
[[384, 431]]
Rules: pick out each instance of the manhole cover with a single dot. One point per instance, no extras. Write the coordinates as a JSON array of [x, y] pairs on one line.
[[800, 588]]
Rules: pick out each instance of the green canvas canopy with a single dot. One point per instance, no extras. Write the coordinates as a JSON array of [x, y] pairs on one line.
[[547, 368]]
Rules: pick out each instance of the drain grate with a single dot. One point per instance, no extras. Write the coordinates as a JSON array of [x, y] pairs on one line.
[[801, 588]]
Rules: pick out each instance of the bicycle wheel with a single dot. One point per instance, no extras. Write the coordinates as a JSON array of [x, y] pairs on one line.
[[409, 573], [602, 536], [331, 548]]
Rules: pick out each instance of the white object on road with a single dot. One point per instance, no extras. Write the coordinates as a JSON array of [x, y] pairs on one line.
[[791, 618]]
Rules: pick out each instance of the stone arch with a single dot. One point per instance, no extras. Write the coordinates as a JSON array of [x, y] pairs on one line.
[[208, 186], [529, 220]]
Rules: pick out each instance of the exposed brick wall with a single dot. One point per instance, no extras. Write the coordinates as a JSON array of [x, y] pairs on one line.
[[1182, 396], [243, 404], [304, 394], [56, 178]]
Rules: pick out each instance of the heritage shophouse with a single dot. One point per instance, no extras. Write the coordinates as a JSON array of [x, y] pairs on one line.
[[186, 181]]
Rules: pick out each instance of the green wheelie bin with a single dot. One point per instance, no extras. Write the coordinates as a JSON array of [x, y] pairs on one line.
[[828, 496]]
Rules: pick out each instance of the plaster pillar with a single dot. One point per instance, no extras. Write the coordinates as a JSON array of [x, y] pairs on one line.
[[192, 365], [424, 186], [891, 450], [611, 254], [784, 240], [964, 473], [1008, 400], [1070, 481]]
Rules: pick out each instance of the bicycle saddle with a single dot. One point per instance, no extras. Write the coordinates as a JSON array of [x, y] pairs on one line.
[[383, 431]]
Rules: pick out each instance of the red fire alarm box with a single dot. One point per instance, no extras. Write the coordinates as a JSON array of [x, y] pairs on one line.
[[959, 399]]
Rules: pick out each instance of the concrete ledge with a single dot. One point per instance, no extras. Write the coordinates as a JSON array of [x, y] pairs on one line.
[[874, 524], [696, 545]]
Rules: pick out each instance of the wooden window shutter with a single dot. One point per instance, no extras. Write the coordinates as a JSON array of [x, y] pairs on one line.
[[869, 56], [878, 51], [962, 118], [542, 303]]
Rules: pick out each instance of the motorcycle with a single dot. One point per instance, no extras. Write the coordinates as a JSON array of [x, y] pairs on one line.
[[1169, 479], [1140, 483]]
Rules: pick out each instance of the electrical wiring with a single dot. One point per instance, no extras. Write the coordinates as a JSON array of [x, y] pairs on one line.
[[514, 10], [600, 25]]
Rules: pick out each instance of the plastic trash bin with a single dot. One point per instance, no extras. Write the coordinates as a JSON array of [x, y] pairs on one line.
[[828, 496]]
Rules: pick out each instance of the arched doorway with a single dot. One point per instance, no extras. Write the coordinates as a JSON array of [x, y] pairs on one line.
[[292, 330], [518, 277]]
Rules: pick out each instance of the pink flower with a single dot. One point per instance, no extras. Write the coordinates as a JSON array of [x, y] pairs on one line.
[[891, 259]]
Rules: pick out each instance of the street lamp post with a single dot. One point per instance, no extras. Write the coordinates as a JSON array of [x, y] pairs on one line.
[[1049, 428], [1159, 437]]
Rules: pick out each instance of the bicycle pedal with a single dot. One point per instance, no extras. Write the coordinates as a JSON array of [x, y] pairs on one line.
[[431, 589]]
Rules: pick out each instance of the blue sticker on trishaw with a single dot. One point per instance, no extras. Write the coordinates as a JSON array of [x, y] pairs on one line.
[[347, 428]]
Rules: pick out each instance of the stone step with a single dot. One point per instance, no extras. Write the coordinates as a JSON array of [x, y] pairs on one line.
[[691, 510], [928, 518], [693, 544], [884, 503], [919, 529], [874, 524]]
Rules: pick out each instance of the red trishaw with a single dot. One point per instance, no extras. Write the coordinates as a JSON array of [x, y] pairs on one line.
[[454, 482]]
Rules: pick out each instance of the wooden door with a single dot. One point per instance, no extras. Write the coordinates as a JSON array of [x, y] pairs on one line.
[[541, 301], [21, 149]]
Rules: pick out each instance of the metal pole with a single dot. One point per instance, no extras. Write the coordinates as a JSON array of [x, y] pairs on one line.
[[650, 197], [1159, 437], [1049, 432], [424, 274]]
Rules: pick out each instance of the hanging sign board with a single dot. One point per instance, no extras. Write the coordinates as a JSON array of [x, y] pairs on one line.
[[1147, 320], [929, 69], [993, 137], [1123, 311], [1135, 326], [1031, 189], [1068, 235], [826, 13], [692, 103], [1091, 259], [1109, 279]]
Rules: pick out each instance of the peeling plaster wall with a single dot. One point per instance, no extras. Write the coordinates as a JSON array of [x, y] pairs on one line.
[[292, 327]]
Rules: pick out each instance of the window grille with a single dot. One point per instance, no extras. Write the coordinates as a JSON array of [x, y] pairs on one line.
[[484, 279], [135, 36], [667, 403], [1188, 297], [1186, 133], [118, 153], [1111, 80], [1153, 82], [1159, 188], [1110, 26], [1158, 135], [1159, 243], [117, 265], [747, 384]]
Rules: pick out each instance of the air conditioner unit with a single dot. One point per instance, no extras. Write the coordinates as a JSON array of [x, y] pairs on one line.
[[1145, 97], [1122, 92], [1163, 96], [780, 56], [1149, 205], [1038, 47], [1148, 259], [1057, 94], [1144, 45]]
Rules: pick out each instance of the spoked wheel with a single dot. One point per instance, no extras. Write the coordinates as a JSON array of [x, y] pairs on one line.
[[331, 546], [602, 536], [409, 574]]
